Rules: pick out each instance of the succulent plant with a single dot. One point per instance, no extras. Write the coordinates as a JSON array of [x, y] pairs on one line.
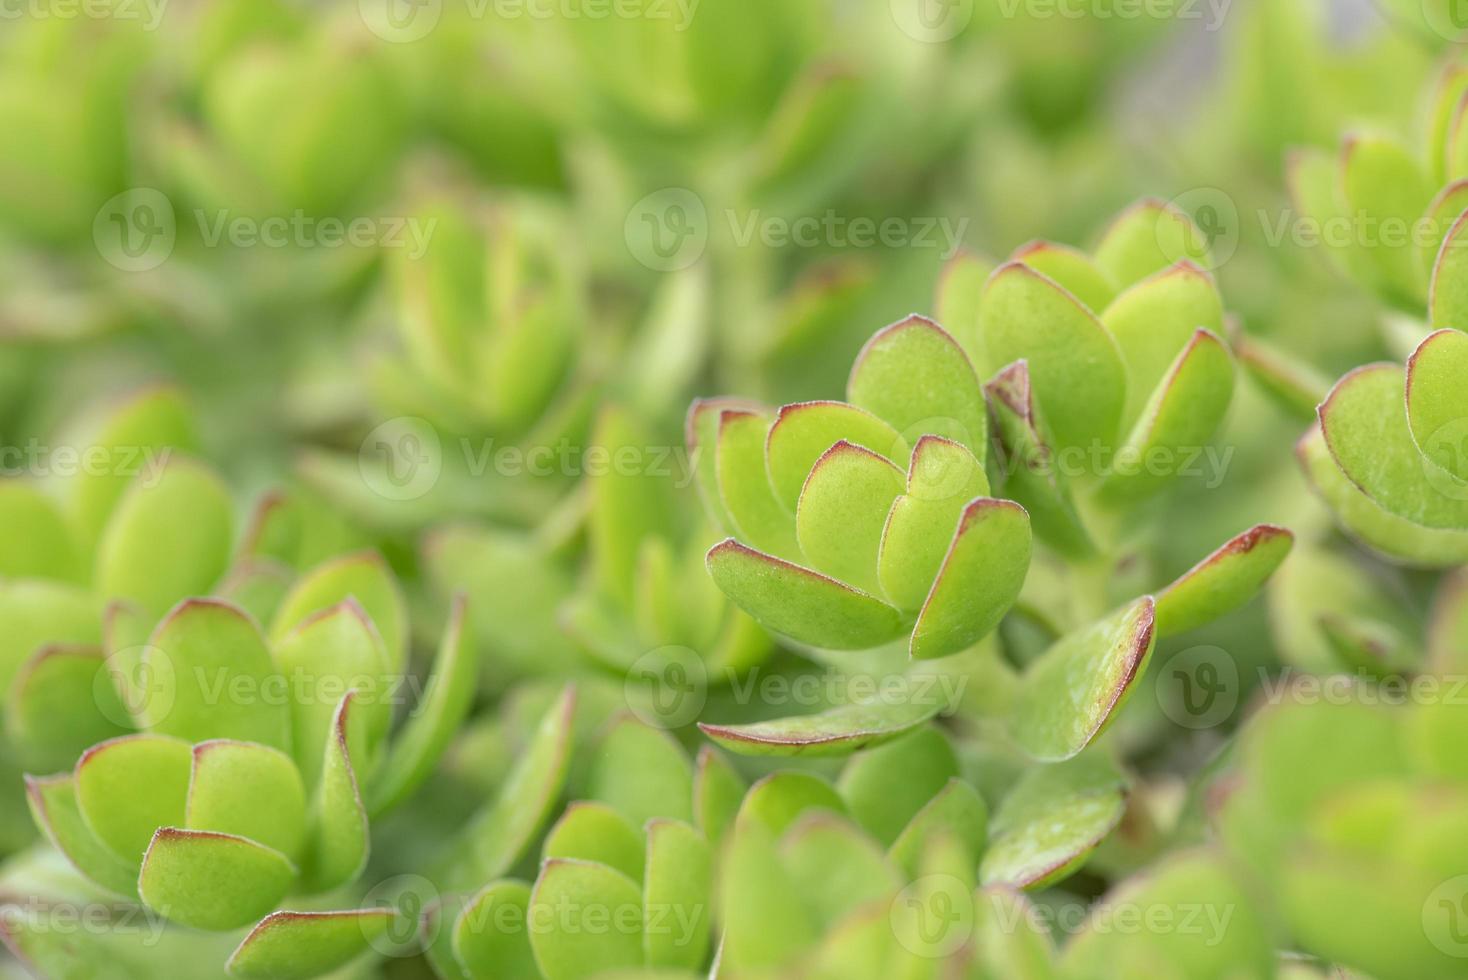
[[869, 521], [258, 761]]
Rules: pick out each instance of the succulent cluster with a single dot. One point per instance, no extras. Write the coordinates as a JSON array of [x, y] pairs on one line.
[[397, 620]]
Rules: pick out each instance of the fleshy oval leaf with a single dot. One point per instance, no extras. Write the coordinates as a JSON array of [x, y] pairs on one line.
[[980, 579], [802, 433], [1437, 401], [128, 787], [1074, 364], [1067, 696], [590, 831], [917, 379], [1051, 821], [837, 731], [1225, 580], [300, 945], [677, 895], [567, 949], [800, 603], [363, 576], [212, 881], [842, 511], [755, 515], [491, 938]]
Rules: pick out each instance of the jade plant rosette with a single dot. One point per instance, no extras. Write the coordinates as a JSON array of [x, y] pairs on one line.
[[258, 760]]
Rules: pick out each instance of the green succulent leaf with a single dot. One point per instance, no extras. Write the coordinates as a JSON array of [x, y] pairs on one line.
[[491, 938], [39, 613], [1010, 938], [166, 539], [1447, 637], [1179, 418], [802, 433], [1383, 183], [57, 706], [362, 576], [765, 922], [1075, 365], [959, 294], [210, 880], [1156, 319], [128, 787], [980, 579], [1224, 581], [800, 603], [677, 895], [1072, 269], [717, 792], [1447, 299], [942, 478], [956, 812], [701, 437], [885, 787], [1442, 215], [567, 949], [1148, 237], [1291, 383], [842, 511], [1031, 474], [642, 773], [248, 790], [1235, 946], [837, 731], [626, 507], [836, 868], [596, 832], [145, 428], [209, 676], [916, 378], [1368, 435], [445, 704], [1067, 697], [1437, 401], [1051, 822], [39, 544], [53, 806], [1366, 520], [778, 799], [337, 838], [500, 833], [331, 652], [301, 945], [744, 487]]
